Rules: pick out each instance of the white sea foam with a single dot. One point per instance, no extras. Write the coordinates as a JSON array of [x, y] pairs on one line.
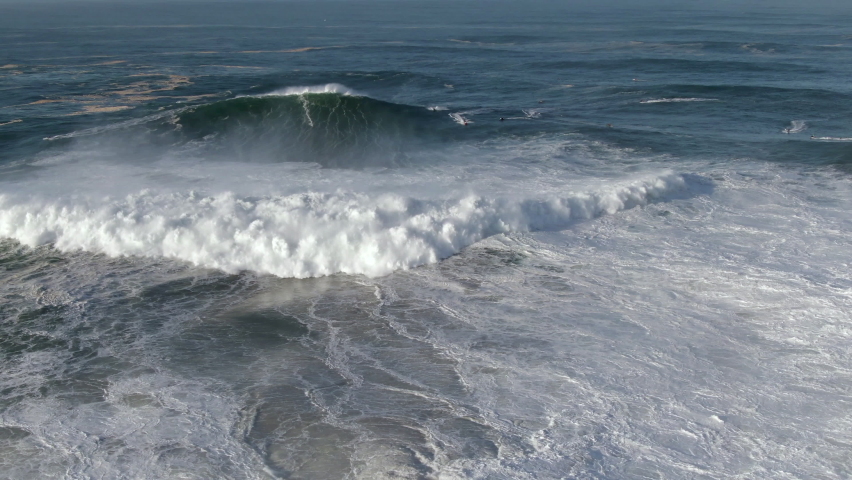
[[796, 126], [141, 411], [833, 139], [463, 117], [304, 235], [460, 119], [301, 90], [678, 100]]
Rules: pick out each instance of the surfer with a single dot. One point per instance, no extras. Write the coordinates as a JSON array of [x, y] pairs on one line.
[[501, 119], [786, 130]]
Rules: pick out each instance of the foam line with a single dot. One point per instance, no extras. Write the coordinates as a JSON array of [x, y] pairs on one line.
[[302, 90], [679, 100], [833, 139], [304, 235]]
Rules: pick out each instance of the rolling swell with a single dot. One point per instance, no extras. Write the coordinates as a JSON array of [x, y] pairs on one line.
[[324, 125], [667, 66]]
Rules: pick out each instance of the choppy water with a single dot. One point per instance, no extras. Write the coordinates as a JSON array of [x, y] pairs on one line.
[[368, 240]]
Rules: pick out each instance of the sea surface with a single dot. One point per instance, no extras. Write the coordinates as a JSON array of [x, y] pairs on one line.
[[425, 240]]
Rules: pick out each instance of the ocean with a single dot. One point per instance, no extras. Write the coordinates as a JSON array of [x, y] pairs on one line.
[[425, 240]]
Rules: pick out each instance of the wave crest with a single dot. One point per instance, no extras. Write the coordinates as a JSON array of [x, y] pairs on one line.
[[304, 235], [302, 90], [796, 126], [678, 100]]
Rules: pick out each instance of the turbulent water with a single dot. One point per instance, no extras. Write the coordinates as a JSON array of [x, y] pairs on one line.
[[365, 240]]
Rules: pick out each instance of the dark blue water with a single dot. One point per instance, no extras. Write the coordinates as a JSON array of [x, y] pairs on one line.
[[425, 240], [759, 69]]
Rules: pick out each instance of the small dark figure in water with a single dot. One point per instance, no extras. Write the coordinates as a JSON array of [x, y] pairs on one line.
[[541, 101], [786, 130], [501, 119], [609, 125], [465, 124]]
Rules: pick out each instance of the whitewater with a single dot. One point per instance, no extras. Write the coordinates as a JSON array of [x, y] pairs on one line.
[[307, 240], [305, 235]]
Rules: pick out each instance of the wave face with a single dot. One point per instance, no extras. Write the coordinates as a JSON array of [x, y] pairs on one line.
[[327, 124], [305, 235]]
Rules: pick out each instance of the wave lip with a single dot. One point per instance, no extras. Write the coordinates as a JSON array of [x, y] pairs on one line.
[[305, 235], [312, 89], [678, 100]]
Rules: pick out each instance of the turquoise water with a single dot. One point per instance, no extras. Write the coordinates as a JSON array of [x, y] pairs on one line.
[[409, 240]]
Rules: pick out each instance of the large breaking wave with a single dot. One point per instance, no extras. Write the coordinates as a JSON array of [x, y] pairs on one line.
[[305, 235], [329, 124]]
